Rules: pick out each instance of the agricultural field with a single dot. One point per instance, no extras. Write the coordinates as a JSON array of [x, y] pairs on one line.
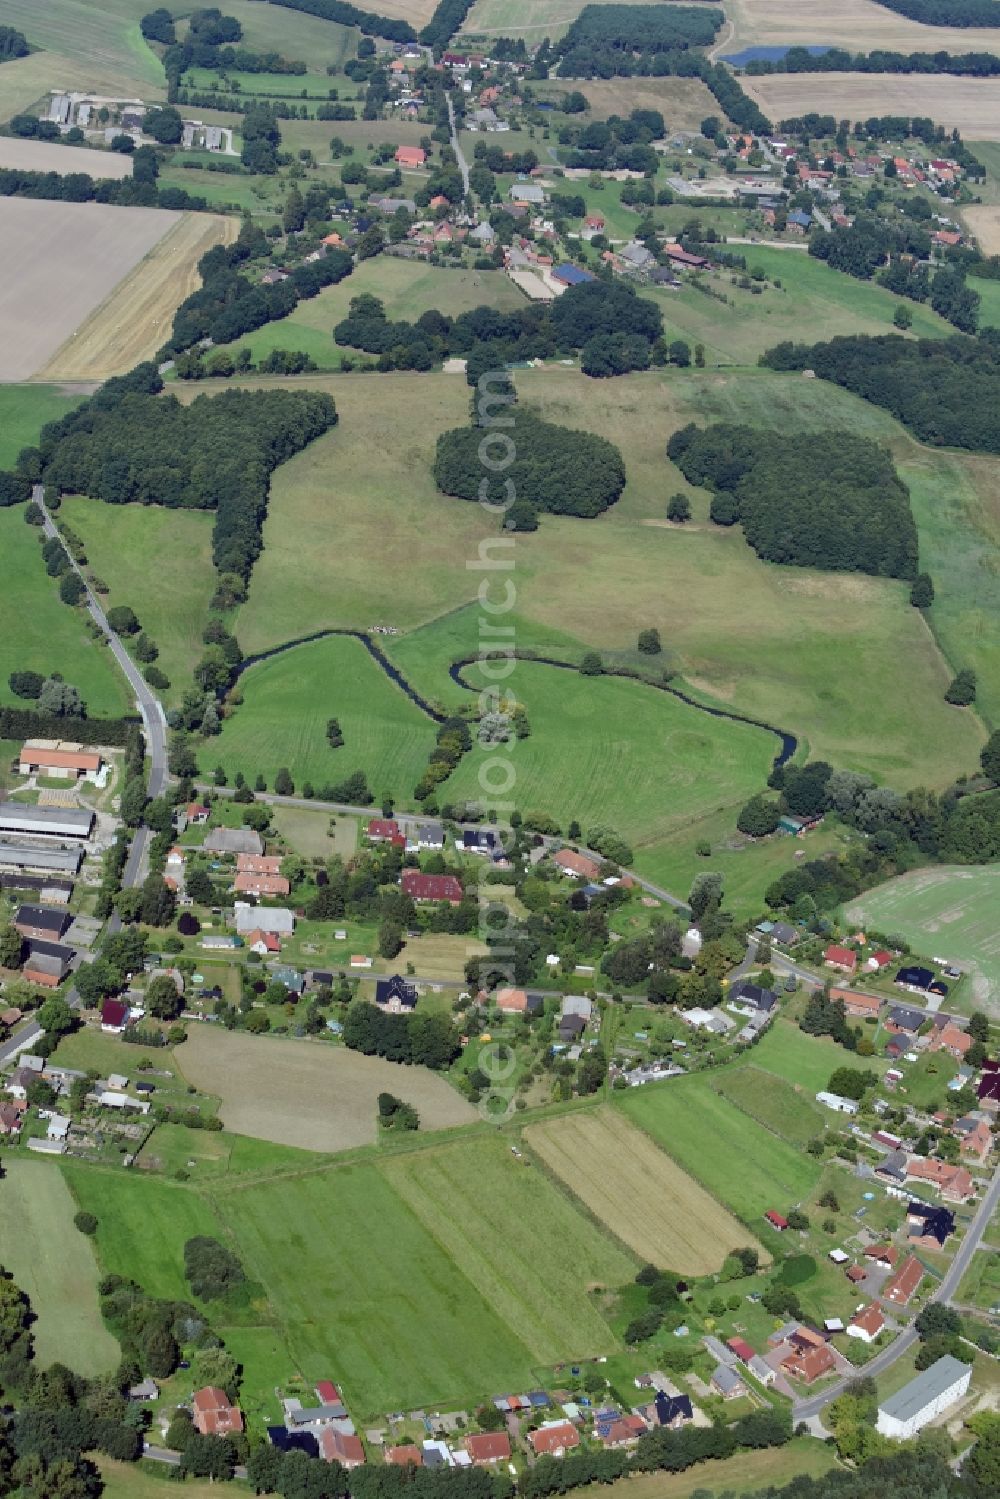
[[859, 25], [980, 1285], [134, 320], [970, 105], [288, 701], [683, 102], [24, 410], [407, 289], [50, 156], [532, 19], [737, 1160], [55, 1265], [744, 1474], [948, 911], [302, 38], [159, 562], [86, 249], [309, 1095], [642, 1196], [984, 222], [87, 44]]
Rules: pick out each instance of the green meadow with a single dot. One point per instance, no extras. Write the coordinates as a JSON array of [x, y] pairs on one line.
[[287, 702], [24, 410], [99, 40]]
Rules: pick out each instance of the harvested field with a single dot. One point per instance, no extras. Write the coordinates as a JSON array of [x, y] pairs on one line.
[[132, 323], [63, 259], [50, 156], [644, 1197], [683, 102], [971, 105], [529, 18], [861, 25], [984, 222], [316, 1097], [417, 12]]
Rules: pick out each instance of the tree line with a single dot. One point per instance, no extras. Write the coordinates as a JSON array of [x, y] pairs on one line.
[[832, 500], [80, 187], [446, 20], [606, 145], [418, 1039], [864, 247], [346, 14], [947, 12], [838, 60], [946, 391]]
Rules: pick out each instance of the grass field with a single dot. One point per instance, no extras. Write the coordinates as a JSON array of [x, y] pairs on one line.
[[779, 1106], [55, 1266], [288, 701], [532, 19], [638, 1191], [740, 1162], [378, 1279], [303, 38], [407, 289], [859, 25], [135, 318], [307, 1095], [683, 102], [152, 1481], [159, 562], [43, 634], [970, 105], [980, 1285], [87, 44], [65, 259], [307, 832], [24, 410], [946, 911], [744, 1474], [984, 221]]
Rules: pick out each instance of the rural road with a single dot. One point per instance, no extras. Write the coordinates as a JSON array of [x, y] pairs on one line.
[[943, 1292], [463, 165]]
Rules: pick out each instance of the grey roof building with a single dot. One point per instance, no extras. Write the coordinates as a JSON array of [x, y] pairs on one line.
[[526, 192], [234, 841], [35, 856], [57, 822], [933, 1391]]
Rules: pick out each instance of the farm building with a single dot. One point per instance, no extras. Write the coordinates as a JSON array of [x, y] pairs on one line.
[[33, 856], [953, 1182], [836, 1102], [933, 1391], [49, 923], [59, 758], [776, 1220], [276, 919], [577, 866], [53, 822], [570, 275], [431, 887], [395, 995], [234, 841], [46, 969], [527, 192]]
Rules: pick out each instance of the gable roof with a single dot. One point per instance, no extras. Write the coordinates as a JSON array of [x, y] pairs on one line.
[[398, 989], [420, 886]]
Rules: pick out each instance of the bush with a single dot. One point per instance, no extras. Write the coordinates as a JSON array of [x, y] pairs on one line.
[[86, 1223]]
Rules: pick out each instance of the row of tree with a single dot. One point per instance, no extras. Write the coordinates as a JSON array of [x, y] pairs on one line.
[[833, 501], [136, 191], [865, 246], [12, 44], [346, 14], [418, 1039], [838, 60], [947, 12]]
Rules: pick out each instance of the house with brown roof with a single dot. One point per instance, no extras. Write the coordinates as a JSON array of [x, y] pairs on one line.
[[410, 156], [624, 1432], [382, 830], [404, 1455], [577, 866], [554, 1439], [952, 1039], [258, 863], [518, 1002], [843, 958], [866, 1324], [885, 1255], [214, 1414], [431, 887], [485, 1447], [953, 1182], [978, 1142], [860, 1006], [12, 1117], [58, 758], [855, 1273], [810, 1364], [261, 884], [901, 1288], [262, 943], [335, 1447]]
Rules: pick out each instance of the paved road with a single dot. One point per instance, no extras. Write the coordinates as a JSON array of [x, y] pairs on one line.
[[943, 1292], [463, 165]]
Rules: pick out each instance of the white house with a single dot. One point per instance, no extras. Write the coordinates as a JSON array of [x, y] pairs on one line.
[[933, 1391], [837, 1103], [867, 1323]]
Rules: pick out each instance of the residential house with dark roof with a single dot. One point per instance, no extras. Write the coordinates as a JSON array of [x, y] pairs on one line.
[[750, 998], [47, 922], [396, 996], [928, 1225]]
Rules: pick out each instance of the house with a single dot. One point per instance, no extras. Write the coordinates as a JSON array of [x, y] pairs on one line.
[[977, 1142], [258, 863], [684, 257], [262, 943], [855, 1273], [776, 1220], [425, 835], [47, 969], [708, 1020], [404, 1456], [866, 1324], [114, 1016], [953, 1182], [196, 814], [487, 1447], [58, 1126], [214, 1414], [395, 996], [382, 830], [915, 978], [147, 1389], [293, 981], [571, 1027], [431, 887], [903, 1020], [577, 866], [886, 1255], [835, 1101], [810, 1364], [727, 1383], [949, 1038], [891, 1169], [623, 1431], [858, 1006], [901, 1288], [410, 156], [526, 192], [933, 1391], [233, 841], [842, 958], [554, 1438], [518, 1002], [19, 1081], [58, 758], [671, 1411], [988, 1088], [928, 1227], [761, 1370], [261, 884], [336, 1447], [594, 222], [11, 1118], [480, 841], [878, 960], [748, 998], [275, 919], [799, 222], [741, 1348]]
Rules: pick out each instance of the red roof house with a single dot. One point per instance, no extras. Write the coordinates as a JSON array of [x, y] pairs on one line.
[[811, 1364], [114, 1016], [401, 1457], [431, 886], [410, 156], [214, 1414], [335, 1447], [327, 1393], [843, 958], [776, 1220], [488, 1447], [904, 1283], [741, 1348], [554, 1440], [382, 829]]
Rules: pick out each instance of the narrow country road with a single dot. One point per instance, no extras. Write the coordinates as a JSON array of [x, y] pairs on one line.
[[463, 165]]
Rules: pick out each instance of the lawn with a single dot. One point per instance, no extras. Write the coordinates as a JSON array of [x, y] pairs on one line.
[[288, 701], [981, 1282], [737, 1160], [99, 40], [308, 832], [381, 1297], [159, 562], [800, 1058], [948, 912], [43, 634], [780, 1106], [201, 1153], [633, 1187], [683, 102], [270, 85], [143, 1224], [55, 1265], [151, 1480], [532, 19], [299, 37]]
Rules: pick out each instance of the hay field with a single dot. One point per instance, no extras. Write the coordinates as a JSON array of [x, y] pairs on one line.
[[134, 320], [971, 105], [55, 1266], [417, 12], [50, 156], [683, 102], [532, 19], [316, 1097], [861, 25], [983, 221], [643, 1196], [63, 260], [949, 912]]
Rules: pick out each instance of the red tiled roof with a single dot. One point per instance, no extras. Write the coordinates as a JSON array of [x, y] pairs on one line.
[[382, 827], [870, 1320], [420, 886], [843, 957], [553, 1439], [488, 1446], [335, 1447], [905, 1281], [741, 1348], [327, 1392], [407, 1453], [114, 1012]]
